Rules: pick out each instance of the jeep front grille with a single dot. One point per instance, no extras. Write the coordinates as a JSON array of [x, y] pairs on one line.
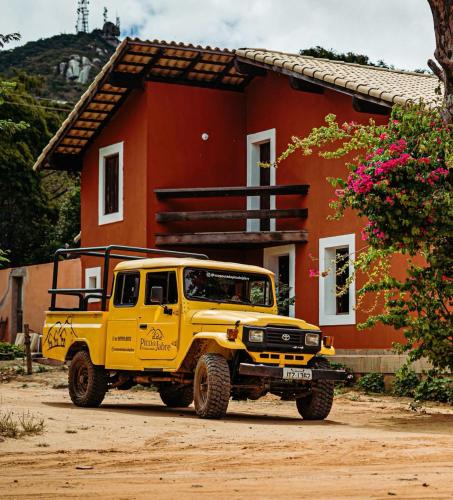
[[281, 339]]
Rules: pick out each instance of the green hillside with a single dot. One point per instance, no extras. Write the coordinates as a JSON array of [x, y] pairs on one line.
[[67, 63]]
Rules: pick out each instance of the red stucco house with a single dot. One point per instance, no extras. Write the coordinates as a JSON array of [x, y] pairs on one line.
[[168, 139]]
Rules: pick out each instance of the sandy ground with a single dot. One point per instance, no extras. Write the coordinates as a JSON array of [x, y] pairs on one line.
[[134, 447]]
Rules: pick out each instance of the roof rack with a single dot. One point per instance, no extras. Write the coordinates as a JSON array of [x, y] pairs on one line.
[[104, 252]]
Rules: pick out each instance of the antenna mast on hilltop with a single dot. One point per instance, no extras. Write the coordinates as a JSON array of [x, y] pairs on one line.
[[82, 16]]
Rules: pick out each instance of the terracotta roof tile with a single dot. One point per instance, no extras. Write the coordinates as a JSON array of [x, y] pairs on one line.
[[387, 85]]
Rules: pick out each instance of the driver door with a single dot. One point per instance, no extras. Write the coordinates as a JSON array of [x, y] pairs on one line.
[[158, 324]]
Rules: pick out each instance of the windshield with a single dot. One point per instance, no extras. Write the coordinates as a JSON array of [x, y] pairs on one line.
[[228, 286]]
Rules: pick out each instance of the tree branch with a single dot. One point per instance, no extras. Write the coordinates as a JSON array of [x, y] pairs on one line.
[[437, 70]]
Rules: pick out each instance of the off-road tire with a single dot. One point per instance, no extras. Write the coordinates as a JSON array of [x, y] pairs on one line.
[[318, 404], [181, 397], [87, 382], [212, 386]]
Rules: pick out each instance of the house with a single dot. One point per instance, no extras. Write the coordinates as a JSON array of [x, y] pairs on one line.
[[168, 139]]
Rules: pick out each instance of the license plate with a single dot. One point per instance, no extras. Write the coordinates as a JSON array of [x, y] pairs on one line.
[[297, 374]]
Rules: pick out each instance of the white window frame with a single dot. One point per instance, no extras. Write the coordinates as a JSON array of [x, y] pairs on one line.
[[103, 153], [327, 297], [253, 150], [270, 261], [93, 272]]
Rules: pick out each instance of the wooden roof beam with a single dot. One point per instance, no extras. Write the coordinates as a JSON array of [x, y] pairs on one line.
[[73, 162], [249, 69], [304, 86], [126, 80]]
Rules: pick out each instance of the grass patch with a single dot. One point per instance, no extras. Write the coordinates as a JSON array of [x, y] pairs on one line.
[[18, 426]]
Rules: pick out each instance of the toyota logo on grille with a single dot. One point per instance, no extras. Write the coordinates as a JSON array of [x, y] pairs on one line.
[[286, 337]]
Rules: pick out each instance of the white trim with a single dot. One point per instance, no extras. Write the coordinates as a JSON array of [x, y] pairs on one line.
[[270, 261], [327, 315], [103, 152], [90, 273], [253, 202]]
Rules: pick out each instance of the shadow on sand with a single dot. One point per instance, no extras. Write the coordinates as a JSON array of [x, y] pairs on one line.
[[156, 410]]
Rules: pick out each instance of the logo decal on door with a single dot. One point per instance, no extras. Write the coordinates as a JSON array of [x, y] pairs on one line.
[[156, 342]]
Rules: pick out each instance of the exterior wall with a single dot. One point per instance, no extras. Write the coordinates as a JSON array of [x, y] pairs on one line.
[[128, 125], [179, 157], [35, 297], [272, 103]]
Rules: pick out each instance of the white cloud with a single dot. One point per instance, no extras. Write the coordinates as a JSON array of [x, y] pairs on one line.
[[399, 32]]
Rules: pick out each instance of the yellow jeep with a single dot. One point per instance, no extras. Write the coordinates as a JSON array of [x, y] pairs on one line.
[[199, 330]]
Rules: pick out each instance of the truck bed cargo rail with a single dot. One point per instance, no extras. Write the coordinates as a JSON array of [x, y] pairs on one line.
[[106, 253]]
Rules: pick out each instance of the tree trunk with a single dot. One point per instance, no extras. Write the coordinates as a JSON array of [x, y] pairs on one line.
[[442, 11]]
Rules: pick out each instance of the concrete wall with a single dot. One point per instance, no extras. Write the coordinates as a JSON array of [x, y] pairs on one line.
[[36, 280]]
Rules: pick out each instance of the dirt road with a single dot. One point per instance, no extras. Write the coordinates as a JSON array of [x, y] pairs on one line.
[[133, 447]]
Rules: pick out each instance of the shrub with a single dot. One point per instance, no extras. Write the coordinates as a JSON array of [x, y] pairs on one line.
[[15, 351], [406, 381], [435, 388], [371, 382]]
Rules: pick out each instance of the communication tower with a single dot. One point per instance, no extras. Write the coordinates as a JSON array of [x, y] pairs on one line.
[[82, 16]]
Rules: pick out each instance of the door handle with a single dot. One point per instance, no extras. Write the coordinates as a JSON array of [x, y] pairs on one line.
[[143, 326]]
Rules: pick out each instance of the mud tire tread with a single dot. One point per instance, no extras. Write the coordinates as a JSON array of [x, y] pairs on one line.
[[318, 405], [219, 388], [97, 384], [177, 398]]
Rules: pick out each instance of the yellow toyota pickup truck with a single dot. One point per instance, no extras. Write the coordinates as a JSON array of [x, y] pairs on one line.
[[199, 330]]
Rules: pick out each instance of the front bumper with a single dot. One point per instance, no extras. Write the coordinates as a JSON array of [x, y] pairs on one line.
[[276, 372]]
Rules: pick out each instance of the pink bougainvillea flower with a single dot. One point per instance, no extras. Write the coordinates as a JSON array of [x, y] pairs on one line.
[[313, 273], [389, 200], [339, 193]]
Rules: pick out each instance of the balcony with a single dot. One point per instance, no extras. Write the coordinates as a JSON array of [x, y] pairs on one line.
[[230, 220]]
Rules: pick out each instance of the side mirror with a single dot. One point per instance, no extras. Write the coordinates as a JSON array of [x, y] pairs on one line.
[[157, 295]]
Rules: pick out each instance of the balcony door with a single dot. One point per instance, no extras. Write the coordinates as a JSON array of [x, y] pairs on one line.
[[261, 149]]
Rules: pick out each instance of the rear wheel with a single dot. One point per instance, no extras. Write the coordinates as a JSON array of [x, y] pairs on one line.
[[212, 386], [318, 404], [180, 397], [87, 382]]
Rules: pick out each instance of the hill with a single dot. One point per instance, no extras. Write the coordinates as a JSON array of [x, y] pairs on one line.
[[66, 63]]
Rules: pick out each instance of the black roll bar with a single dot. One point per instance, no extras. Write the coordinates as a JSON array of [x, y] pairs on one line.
[[104, 252]]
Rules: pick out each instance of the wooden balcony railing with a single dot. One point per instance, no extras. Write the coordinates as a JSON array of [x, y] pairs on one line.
[[220, 238]]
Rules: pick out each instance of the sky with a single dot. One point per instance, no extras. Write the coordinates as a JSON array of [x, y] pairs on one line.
[[400, 32]]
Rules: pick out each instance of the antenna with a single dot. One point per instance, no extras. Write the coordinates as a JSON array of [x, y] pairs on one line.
[[82, 16], [105, 14], [118, 24]]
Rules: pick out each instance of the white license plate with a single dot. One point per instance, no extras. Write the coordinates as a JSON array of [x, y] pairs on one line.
[[297, 374]]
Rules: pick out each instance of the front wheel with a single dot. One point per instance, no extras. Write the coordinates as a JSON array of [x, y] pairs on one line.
[[317, 405], [212, 386], [87, 382]]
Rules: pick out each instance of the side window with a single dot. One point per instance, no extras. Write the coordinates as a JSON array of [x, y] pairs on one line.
[[165, 279], [126, 289], [336, 288]]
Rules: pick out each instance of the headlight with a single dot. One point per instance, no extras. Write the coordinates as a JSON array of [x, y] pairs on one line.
[[256, 335], [312, 339]]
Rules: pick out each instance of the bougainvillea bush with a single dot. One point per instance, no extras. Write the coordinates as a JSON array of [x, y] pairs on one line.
[[400, 183]]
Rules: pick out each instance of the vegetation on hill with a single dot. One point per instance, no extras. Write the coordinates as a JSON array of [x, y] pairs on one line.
[[44, 57], [34, 214]]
